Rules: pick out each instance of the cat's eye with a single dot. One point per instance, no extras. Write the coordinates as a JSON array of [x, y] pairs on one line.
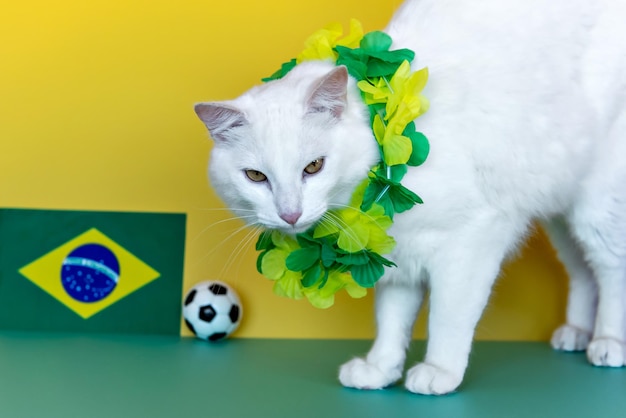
[[255, 175], [315, 166]]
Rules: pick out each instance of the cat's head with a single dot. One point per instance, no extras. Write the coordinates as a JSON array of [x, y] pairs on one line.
[[287, 151]]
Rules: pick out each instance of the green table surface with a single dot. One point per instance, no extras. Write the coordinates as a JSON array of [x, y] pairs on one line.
[[60, 375]]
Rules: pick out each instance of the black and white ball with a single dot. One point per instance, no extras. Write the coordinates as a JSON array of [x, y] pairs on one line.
[[212, 310]]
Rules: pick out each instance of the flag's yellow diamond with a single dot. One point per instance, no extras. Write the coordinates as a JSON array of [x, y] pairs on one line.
[[89, 273]]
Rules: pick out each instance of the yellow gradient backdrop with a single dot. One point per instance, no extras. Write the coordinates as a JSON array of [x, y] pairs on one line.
[[96, 113]]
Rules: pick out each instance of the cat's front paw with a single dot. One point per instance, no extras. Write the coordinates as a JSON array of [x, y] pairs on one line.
[[428, 379], [570, 338], [606, 352], [358, 373]]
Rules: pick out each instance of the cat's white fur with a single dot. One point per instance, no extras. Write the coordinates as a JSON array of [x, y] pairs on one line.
[[527, 121]]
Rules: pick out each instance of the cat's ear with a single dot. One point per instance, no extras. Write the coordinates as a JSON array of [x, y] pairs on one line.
[[220, 118], [330, 93]]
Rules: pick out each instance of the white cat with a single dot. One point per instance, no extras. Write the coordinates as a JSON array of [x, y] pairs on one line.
[[527, 121]]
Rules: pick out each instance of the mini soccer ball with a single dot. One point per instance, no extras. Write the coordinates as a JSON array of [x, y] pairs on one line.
[[212, 310]]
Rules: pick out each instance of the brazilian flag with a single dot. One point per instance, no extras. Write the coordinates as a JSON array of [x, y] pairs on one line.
[[80, 271]]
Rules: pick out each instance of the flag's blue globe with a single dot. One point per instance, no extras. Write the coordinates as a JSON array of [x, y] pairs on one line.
[[90, 273]]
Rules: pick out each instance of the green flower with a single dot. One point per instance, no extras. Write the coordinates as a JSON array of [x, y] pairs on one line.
[[372, 58], [358, 230], [273, 264], [385, 190]]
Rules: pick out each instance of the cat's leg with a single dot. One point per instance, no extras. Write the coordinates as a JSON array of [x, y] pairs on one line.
[[599, 222], [461, 277], [396, 309], [600, 226], [576, 333]]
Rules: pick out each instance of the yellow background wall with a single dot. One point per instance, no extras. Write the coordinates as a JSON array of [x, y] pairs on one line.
[[96, 113]]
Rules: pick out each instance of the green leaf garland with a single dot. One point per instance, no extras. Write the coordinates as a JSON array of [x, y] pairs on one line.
[[326, 259]]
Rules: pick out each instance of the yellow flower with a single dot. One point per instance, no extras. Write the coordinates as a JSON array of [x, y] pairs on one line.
[[359, 230], [379, 242], [353, 39], [325, 297], [320, 45], [397, 148], [289, 286], [403, 88], [406, 91], [376, 91]]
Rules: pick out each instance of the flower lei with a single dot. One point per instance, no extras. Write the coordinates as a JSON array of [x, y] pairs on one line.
[[325, 259]]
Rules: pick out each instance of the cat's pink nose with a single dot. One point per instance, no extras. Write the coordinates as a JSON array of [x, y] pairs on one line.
[[291, 218]]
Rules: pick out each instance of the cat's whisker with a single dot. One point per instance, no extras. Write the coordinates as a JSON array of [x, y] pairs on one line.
[[223, 209], [357, 209], [237, 250], [341, 224], [221, 244], [221, 221], [240, 249], [335, 220], [249, 244]]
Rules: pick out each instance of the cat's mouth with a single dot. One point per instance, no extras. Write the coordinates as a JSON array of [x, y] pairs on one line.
[[296, 229]]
